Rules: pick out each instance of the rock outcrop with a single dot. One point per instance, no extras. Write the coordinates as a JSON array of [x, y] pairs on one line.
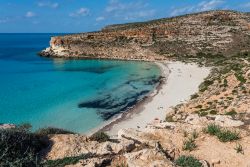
[[158, 145]]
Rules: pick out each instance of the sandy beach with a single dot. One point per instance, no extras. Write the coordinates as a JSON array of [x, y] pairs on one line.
[[180, 81]]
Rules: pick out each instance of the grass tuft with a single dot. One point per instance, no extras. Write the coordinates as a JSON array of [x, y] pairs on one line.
[[195, 134], [188, 161], [223, 135], [212, 129], [227, 135], [189, 144], [239, 148], [232, 113]]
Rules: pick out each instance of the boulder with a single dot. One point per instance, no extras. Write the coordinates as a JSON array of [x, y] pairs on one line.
[[195, 119], [227, 121], [162, 125], [92, 162], [149, 158]]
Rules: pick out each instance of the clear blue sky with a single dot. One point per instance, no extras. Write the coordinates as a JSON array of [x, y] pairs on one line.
[[90, 15]]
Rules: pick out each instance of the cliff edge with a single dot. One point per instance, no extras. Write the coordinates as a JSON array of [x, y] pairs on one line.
[[214, 32]]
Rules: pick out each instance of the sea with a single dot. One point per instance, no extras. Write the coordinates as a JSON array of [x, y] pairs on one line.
[[77, 95]]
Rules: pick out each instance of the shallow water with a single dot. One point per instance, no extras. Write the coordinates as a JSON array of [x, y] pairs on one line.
[[77, 95]]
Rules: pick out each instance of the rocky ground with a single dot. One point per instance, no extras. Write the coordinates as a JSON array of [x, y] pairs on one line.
[[160, 144]]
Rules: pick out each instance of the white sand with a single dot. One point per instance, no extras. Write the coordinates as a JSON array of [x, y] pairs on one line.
[[182, 80]]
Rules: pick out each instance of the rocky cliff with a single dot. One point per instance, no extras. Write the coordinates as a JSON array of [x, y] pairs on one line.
[[215, 32]]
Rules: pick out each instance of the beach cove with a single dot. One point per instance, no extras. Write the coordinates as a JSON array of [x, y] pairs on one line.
[[179, 82]]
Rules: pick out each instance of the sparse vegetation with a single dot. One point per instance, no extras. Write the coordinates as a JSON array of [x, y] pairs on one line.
[[227, 135], [213, 112], [195, 134], [122, 165], [189, 144], [65, 161], [51, 130], [202, 112], [194, 96], [204, 86], [20, 147], [188, 161], [240, 77], [212, 129], [223, 135], [239, 148], [232, 112], [169, 118], [185, 133]]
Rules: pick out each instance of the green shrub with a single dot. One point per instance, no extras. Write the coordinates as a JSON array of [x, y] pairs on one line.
[[51, 130], [188, 161], [212, 129], [195, 134], [225, 84], [65, 161], [169, 118], [204, 86], [240, 78], [199, 106], [100, 137], [227, 135], [213, 112], [232, 112], [19, 147], [25, 127], [194, 96], [223, 135], [203, 113], [189, 144]]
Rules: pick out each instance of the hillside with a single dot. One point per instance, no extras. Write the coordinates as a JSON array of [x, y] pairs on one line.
[[214, 32]]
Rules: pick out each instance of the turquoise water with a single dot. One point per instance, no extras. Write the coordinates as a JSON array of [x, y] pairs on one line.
[[77, 95]]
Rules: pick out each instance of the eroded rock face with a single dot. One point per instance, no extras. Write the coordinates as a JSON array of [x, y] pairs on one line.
[[209, 32], [56, 41], [75, 145]]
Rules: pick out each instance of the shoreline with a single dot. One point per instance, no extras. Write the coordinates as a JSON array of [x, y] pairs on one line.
[[107, 125], [168, 93]]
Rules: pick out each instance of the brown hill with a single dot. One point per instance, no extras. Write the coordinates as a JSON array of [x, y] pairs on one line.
[[215, 32]]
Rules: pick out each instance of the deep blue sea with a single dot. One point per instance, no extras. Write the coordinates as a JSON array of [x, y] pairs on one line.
[[77, 95]]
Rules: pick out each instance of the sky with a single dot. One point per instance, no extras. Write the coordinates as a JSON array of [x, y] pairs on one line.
[[73, 16]]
